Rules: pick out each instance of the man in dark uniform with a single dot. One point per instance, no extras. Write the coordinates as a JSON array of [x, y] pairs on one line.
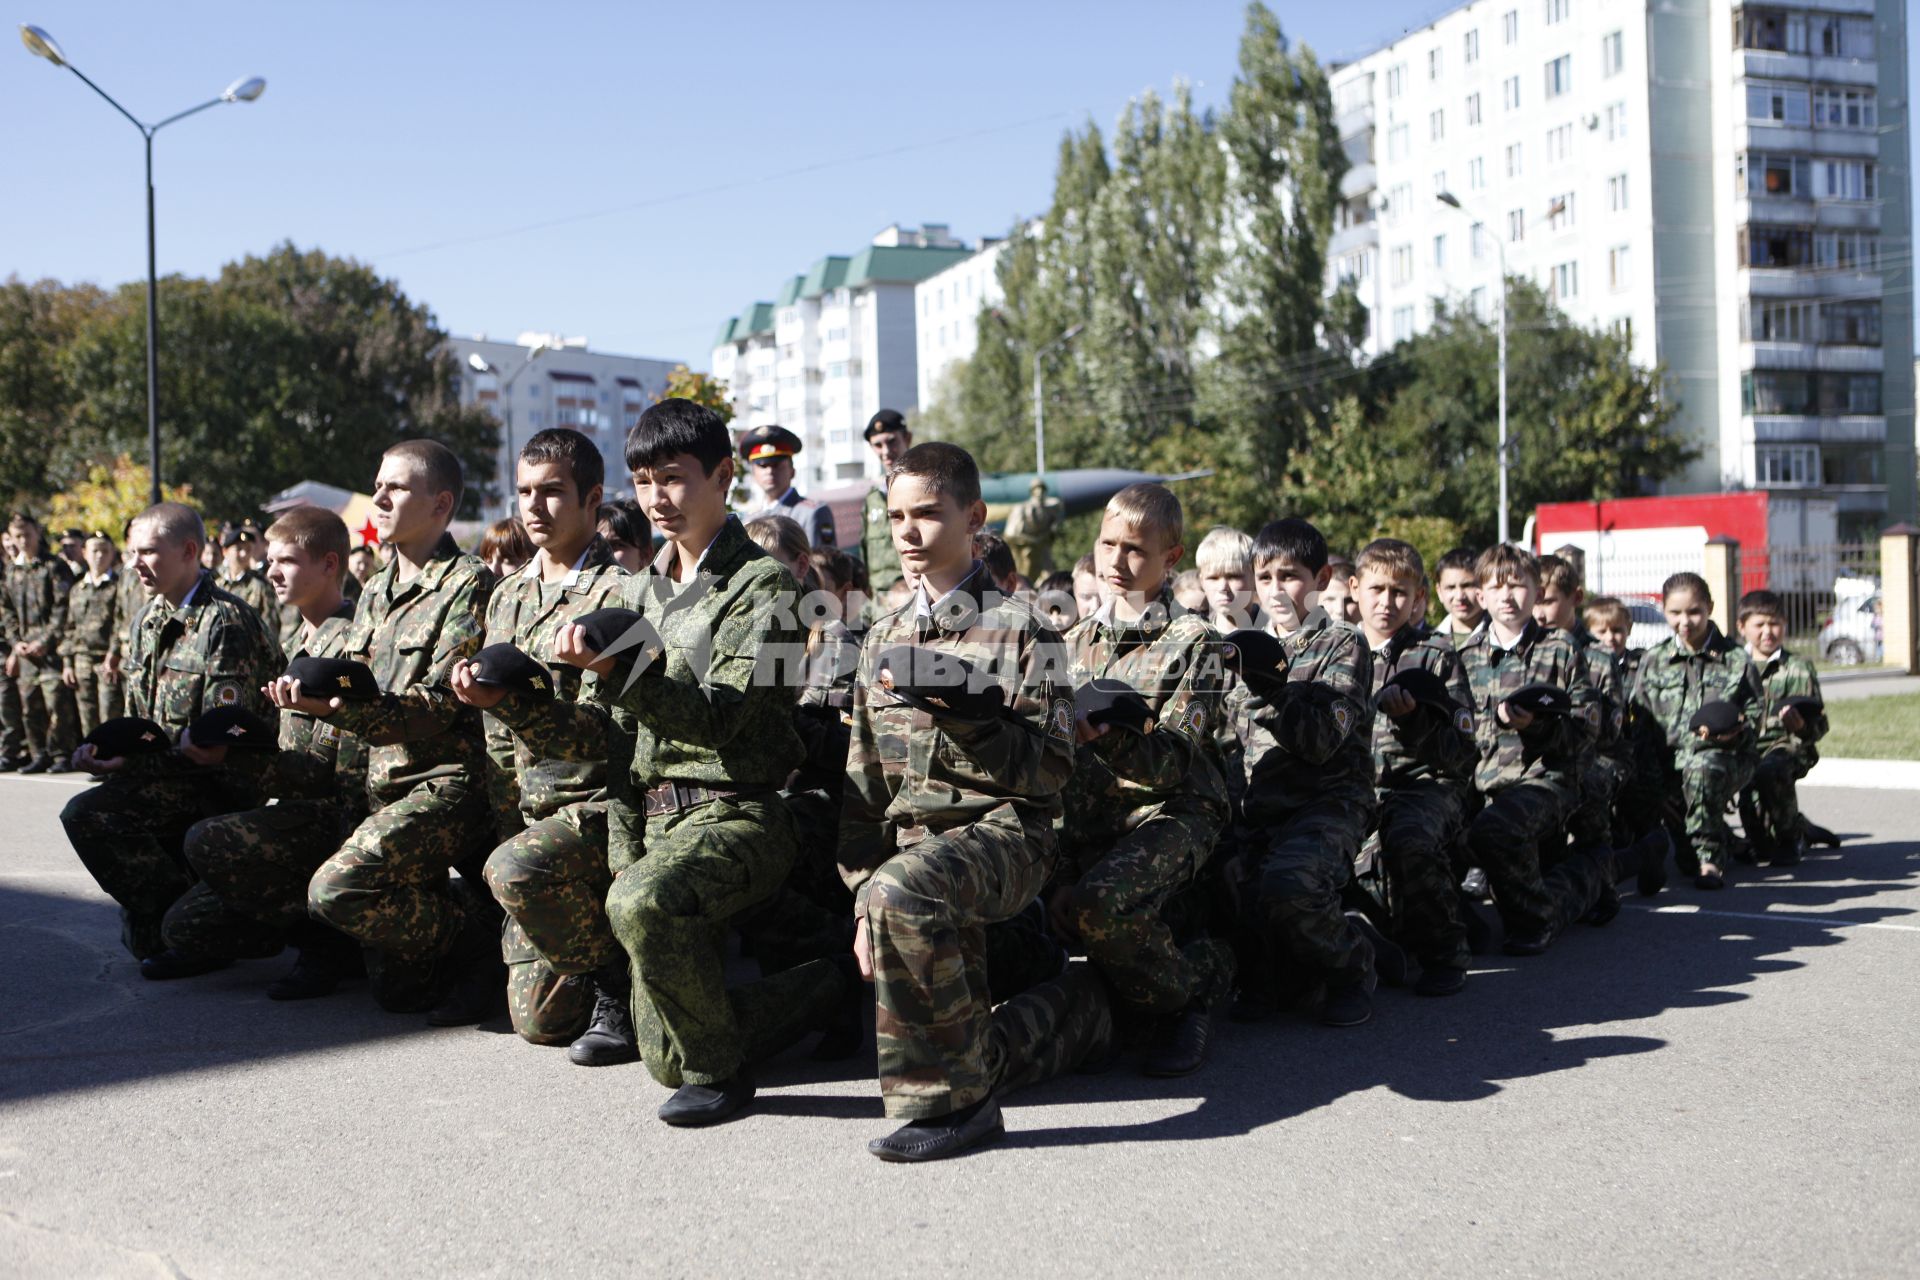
[[887, 435], [768, 452]]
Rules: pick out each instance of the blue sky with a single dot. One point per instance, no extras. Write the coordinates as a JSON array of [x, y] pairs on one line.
[[459, 148]]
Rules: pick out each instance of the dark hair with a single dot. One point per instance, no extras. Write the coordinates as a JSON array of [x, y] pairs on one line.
[[442, 467], [564, 444], [1294, 538], [1058, 580], [944, 468], [627, 521], [846, 571], [1558, 572], [675, 426], [507, 539], [1687, 582], [996, 554], [1461, 558], [1762, 601]]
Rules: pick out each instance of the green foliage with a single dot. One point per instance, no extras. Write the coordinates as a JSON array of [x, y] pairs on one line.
[[112, 494]]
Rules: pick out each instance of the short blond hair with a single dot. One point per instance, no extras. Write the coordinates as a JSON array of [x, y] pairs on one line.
[[1150, 506], [315, 530], [1224, 552], [1392, 557]]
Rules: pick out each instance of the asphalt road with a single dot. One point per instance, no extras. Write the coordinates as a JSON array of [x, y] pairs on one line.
[[1719, 1085]]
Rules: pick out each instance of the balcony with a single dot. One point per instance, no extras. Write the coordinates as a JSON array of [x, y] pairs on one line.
[[1361, 235], [1359, 180]]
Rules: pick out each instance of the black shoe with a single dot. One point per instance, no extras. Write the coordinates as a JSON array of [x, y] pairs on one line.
[[170, 964], [1654, 849], [1606, 908], [1709, 877], [39, 764], [11, 765], [1750, 853], [1389, 961], [1790, 852], [1814, 833], [1184, 1046], [936, 1139], [608, 1040], [478, 992], [694, 1106], [1348, 1004], [60, 764], [309, 979], [1440, 980], [1530, 944]]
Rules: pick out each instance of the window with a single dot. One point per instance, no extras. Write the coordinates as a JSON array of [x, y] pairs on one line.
[[1510, 25], [1397, 142], [1770, 30], [1402, 323], [1565, 282], [838, 334], [1399, 202], [1510, 93], [1440, 252], [1784, 104], [1843, 37], [1792, 392], [1844, 108], [1479, 241], [1785, 465], [836, 368], [1478, 301], [1778, 321], [1619, 268], [1560, 212], [1843, 180], [1516, 226], [1758, 173], [1400, 265], [1764, 246], [1559, 144], [1556, 11], [1473, 109], [1513, 160], [1436, 126], [1355, 268], [1617, 193], [1470, 46], [1857, 464], [1433, 64], [1613, 53], [1616, 121], [1396, 79], [1440, 181], [1476, 174], [1560, 75], [1847, 250], [1850, 324]]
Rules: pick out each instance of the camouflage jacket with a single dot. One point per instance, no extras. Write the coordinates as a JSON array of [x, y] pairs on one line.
[[1782, 676], [1424, 747], [1448, 630], [720, 713], [1314, 741], [1674, 682], [911, 775], [253, 587], [133, 599], [317, 759], [37, 591], [826, 698], [548, 753], [1608, 675], [876, 542], [210, 652], [1172, 658], [93, 619], [411, 633], [1551, 748]]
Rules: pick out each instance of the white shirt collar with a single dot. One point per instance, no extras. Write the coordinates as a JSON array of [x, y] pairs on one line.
[[532, 569], [192, 591], [923, 607]]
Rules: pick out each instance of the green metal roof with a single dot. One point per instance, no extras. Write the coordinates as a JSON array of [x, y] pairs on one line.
[[903, 264], [725, 335], [757, 318], [828, 273]]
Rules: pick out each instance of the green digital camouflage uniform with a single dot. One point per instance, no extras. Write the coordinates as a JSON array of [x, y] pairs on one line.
[[387, 886], [716, 725], [876, 544], [550, 759], [1703, 778], [1423, 764], [253, 587], [210, 652], [948, 826], [37, 590], [1529, 781], [94, 631], [1142, 811], [1308, 805], [254, 865], [1770, 808]]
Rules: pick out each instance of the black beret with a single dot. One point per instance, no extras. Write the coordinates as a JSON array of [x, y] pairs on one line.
[[940, 684], [73, 533], [237, 533], [1423, 686], [1716, 717], [232, 727], [127, 736], [1258, 656], [1806, 704], [506, 667], [340, 678], [885, 420], [1113, 702], [768, 441], [1541, 699]]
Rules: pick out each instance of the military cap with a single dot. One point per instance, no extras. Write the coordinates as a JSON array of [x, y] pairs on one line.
[[73, 533], [232, 727], [503, 666], [940, 684], [1115, 702], [245, 531], [1809, 707], [340, 678], [765, 443], [1258, 656], [127, 736], [1541, 700], [99, 535], [1717, 717], [885, 420]]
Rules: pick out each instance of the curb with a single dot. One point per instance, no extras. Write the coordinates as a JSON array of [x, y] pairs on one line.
[[1873, 775]]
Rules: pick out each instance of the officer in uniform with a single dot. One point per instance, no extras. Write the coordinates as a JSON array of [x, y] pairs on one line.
[[768, 452], [887, 435], [240, 549]]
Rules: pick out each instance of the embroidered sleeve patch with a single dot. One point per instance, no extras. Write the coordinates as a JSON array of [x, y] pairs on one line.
[[1060, 720]]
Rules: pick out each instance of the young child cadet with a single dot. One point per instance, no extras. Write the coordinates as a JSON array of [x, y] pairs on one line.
[[1457, 582], [706, 669], [963, 736], [1423, 757], [1534, 711], [1305, 723], [1795, 717], [1147, 799], [1703, 702]]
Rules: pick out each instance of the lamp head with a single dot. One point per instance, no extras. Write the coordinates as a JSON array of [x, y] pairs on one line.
[[1448, 198], [244, 90], [41, 45]]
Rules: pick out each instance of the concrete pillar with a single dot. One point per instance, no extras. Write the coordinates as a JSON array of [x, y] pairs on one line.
[[1900, 620], [1721, 568]]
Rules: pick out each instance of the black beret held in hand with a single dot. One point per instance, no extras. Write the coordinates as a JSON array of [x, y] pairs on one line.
[[1717, 718], [127, 736], [1113, 702], [1258, 656], [616, 632], [1541, 700], [503, 666], [1423, 686], [940, 684], [1810, 709], [233, 727], [340, 678]]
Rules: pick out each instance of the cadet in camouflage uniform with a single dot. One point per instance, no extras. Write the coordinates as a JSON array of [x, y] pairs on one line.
[[1143, 809], [240, 575], [1770, 809], [37, 585], [196, 648], [13, 725], [949, 815], [420, 613], [1529, 764], [1423, 761], [888, 436], [90, 652], [1696, 665]]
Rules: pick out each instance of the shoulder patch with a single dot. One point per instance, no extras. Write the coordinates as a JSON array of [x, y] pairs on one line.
[[1194, 723], [228, 695], [1463, 720], [1343, 716], [1060, 720]]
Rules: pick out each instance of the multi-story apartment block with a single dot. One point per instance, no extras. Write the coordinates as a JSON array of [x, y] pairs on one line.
[[948, 309]]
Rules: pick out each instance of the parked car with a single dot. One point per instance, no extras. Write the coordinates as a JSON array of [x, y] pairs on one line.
[[1649, 625], [1853, 634]]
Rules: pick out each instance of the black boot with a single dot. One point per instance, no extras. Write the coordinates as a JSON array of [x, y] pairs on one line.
[[1182, 1047], [608, 1040], [323, 957], [477, 989], [695, 1106], [39, 764], [1653, 849], [170, 964]]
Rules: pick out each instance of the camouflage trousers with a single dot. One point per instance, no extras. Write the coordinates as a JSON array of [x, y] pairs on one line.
[[1049, 1030], [928, 908], [253, 868], [1505, 838], [552, 878], [47, 712], [387, 885], [1116, 911], [669, 904], [129, 832], [1292, 904], [1417, 829], [1591, 825], [13, 724], [1770, 807], [96, 697], [1709, 783]]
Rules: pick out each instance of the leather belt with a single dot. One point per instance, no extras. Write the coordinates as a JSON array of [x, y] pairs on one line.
[[672, 797]]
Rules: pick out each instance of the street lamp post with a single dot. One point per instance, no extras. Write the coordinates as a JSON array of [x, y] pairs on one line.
[[1039, 411], [1500, 247], [42, 45], [480, 364]]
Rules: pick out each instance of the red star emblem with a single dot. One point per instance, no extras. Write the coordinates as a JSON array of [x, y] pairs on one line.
[[369, 536]]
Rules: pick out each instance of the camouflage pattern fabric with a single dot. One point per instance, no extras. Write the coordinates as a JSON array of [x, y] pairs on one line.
[[1770, 810], [1313, 741], [1673, 683], [876, 543], [1505, 838], [13, 726], [94, 631], [1293, 903], [552, 878], [253, 587], [1049, 1030], [1608, 761]]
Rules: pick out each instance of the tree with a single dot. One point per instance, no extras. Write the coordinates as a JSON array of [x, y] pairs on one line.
[[111, 494], [701, 388], [36, 322]]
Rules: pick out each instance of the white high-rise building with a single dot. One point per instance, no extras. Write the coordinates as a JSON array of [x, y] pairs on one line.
[[948, 307], [1726, 182], [837, 345]]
